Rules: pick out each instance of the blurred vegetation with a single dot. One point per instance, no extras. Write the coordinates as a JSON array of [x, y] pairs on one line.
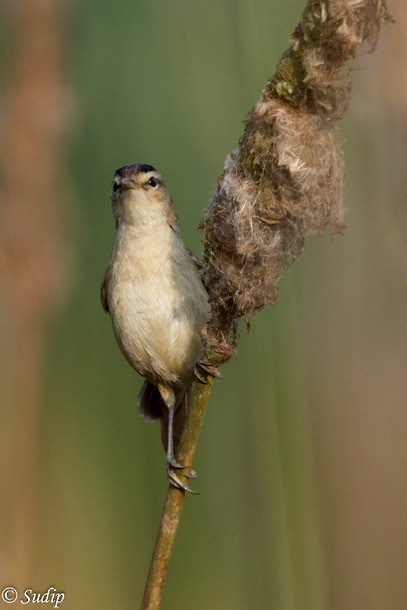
[[305, 428]]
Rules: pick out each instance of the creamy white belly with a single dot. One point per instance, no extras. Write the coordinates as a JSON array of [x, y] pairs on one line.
[[158, 307]]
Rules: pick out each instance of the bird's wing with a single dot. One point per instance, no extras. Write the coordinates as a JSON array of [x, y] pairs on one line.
[[199, 264], [103, 290], [172, 221]]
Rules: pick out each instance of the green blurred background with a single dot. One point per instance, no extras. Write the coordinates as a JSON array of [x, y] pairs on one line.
[[302, 459]]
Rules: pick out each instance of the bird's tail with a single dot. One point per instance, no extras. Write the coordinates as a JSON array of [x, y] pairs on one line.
[[152, 407], [150, 403]]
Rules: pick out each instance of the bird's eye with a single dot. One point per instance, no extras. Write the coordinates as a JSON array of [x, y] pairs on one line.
[[152, 182], [115, 186]]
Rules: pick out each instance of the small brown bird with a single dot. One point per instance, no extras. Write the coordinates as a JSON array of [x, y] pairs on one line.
[[156, 300]]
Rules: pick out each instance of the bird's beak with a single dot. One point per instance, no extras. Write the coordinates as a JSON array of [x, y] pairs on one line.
[[128, 183]]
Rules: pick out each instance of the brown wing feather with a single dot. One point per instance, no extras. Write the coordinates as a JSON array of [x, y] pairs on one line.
[[103, 290], [199, 264]]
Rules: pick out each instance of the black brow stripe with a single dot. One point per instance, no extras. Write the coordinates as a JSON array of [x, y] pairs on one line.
[[134, 168], [146, 168]]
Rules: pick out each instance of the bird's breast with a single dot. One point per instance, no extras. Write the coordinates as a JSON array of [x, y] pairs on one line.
[[158, 305]]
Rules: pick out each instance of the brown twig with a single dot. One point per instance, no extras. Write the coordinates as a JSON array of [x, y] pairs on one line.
[[175, 500]]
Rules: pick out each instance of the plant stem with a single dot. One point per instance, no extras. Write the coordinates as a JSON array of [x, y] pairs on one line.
[[277, 189], [175, 499]]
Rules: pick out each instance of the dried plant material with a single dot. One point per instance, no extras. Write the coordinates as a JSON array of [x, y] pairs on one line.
[[285, 181]]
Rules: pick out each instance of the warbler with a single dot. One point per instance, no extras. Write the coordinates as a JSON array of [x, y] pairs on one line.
[[157, 302]]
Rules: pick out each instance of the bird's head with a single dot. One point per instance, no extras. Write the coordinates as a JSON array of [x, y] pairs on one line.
[[139, 193]]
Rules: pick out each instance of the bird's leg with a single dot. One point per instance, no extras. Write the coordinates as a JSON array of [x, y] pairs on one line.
[[202, 367], [170, 442], [172, 465]]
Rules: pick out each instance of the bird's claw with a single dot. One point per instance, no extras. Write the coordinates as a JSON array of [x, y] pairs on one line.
[[174, 464], [208, 368], [175, 481]]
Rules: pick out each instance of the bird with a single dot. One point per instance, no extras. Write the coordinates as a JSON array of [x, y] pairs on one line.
[[153, 291]]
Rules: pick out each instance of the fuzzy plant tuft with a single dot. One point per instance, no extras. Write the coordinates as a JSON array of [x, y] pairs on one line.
[[286, 180]]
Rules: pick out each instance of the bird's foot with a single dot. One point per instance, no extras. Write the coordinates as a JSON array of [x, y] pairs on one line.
[[175, 481], [203, 368]]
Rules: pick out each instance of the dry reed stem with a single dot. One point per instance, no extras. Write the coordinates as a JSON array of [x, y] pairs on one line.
[[175, 499], [283, 183]]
